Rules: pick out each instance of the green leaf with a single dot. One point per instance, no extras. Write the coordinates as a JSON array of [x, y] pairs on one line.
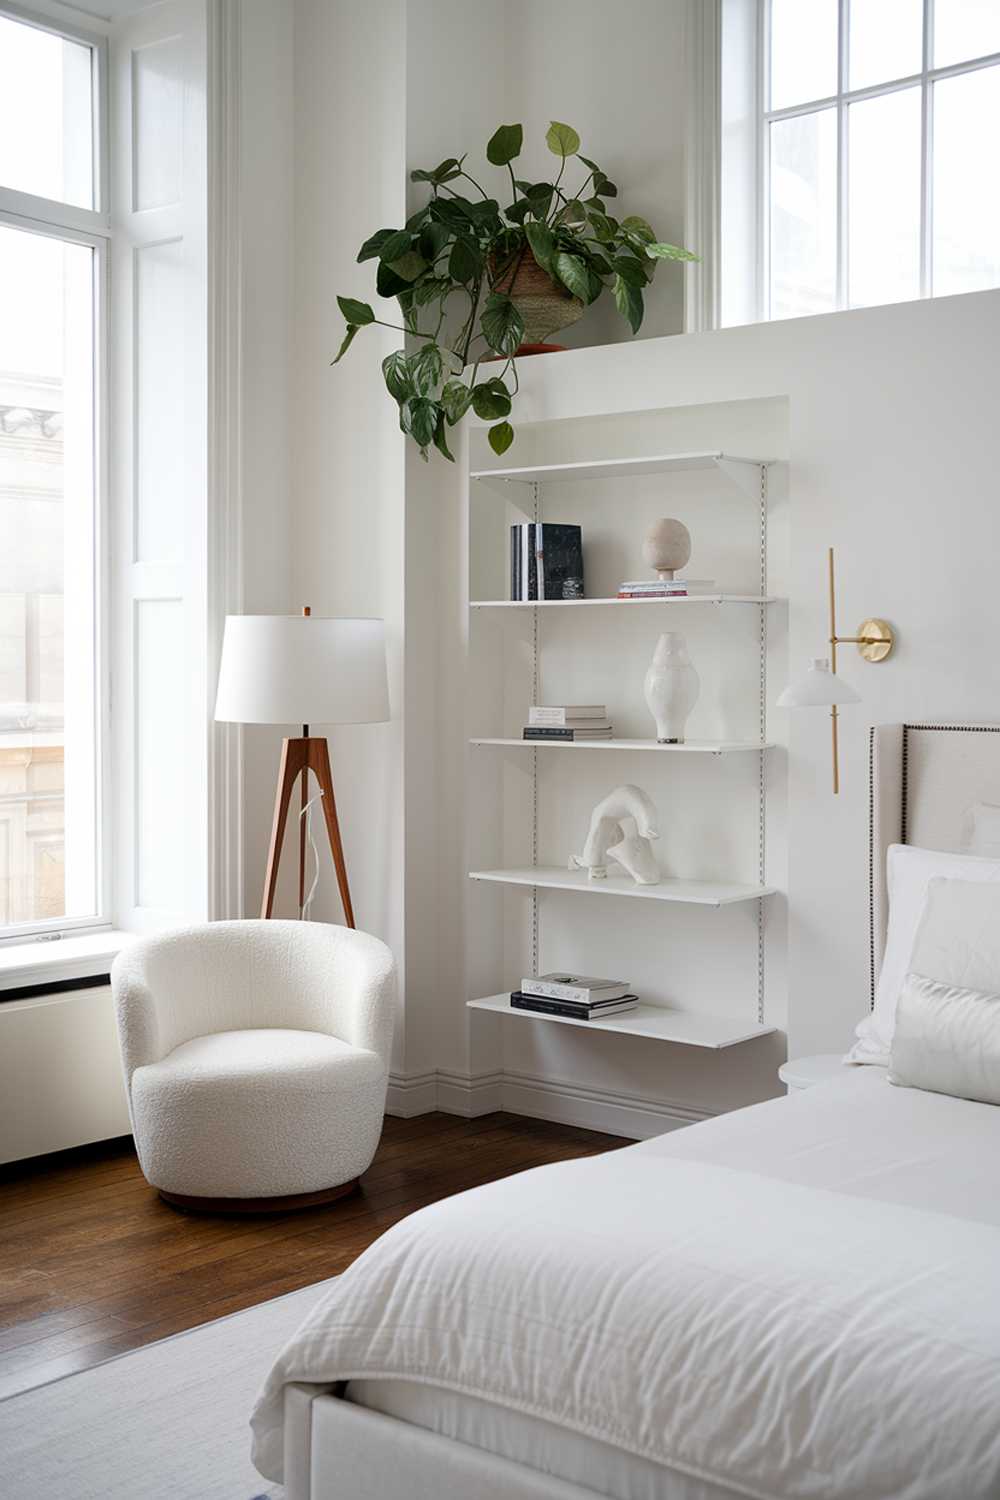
[[631, 270], [639, 227], [433, 238], [501, 323], [426, 369], [396, 245], [601, 225], [396, 373], [373, 246], [490, 400], [387, 283], [543, 244], [604, 187], [628, 300], [572, 272], [419, 417], [445, 171], [500, 437], [356, 312], [562, 140], [660, 251], [464, 262], [539, 195], [479, 213], [352, 329], [573, 216], [519, 211], [456, 398], [440, 438], [408, 266], [445, 211], [505, 144], [592, 165]]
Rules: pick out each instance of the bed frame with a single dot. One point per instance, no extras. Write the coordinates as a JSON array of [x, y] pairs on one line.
[[924, 778]]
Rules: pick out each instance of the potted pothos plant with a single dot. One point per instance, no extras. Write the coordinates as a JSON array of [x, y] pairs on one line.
[[477, 283]]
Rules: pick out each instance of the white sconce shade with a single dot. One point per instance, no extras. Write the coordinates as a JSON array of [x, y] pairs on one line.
[[817, 688], [294, 669]]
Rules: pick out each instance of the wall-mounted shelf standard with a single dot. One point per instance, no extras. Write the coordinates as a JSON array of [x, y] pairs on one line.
[[582, 603], [653, 1021], [688, 892], [689, 747], [745, 471]]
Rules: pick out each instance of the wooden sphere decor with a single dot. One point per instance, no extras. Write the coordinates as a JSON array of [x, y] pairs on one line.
[[667, 546]]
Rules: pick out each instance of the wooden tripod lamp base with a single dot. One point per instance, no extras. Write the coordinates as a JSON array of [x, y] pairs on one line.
[[298, 757]]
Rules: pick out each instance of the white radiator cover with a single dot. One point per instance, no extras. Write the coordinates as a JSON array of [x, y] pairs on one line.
[[61, 1079]]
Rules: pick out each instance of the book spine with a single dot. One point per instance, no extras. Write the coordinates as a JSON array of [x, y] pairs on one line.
[[547, 732]]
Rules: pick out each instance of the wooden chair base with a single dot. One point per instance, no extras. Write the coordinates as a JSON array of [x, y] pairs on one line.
[[282, 1205]]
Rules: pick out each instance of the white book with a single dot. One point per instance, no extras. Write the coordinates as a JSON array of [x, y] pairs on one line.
[[581, 988], [566, 713]]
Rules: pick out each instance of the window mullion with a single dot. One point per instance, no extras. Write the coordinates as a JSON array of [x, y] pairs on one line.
[[843, 164], [926, 146]]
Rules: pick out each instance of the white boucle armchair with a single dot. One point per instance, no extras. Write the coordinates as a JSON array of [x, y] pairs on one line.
[[256, 1059]]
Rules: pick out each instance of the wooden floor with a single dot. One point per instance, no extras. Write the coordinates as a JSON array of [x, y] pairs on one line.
[[92, 1263]]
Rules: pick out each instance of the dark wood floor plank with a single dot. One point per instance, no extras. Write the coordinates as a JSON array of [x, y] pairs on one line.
[[93, 1264]]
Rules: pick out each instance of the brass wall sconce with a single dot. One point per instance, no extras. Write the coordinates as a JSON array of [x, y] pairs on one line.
[[820, 687]]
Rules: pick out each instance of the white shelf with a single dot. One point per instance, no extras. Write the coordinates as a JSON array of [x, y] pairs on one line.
[[689, 747], [616, 468], [584, 603], [688, 892], [646, 1020]]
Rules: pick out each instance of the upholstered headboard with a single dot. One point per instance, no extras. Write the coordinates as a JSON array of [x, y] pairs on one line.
[[924, 780]]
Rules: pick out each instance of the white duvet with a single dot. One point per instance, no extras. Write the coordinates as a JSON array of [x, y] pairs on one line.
[[768, 1302]]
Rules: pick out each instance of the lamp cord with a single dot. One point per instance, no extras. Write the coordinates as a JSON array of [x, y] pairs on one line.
[[307, 814]]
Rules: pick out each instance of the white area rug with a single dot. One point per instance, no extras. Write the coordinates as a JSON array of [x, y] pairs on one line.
[[167, 1422]]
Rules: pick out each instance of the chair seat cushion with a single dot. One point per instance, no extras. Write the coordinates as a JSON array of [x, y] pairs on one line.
[[258, 1113]]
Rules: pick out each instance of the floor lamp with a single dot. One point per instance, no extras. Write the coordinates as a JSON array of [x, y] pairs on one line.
[[302, 669]]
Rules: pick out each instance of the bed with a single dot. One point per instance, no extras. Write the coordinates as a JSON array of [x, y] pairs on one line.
[[796, 1300]]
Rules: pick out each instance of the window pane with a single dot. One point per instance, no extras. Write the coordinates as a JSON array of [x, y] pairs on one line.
[[886, 40], [803, 51], [966, 246], [803, 273], [964, 29], [884, 199], [46, 115], [48, 781]]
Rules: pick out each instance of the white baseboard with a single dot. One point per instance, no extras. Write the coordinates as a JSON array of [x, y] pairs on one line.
[[413, 1095], [540, 1098]]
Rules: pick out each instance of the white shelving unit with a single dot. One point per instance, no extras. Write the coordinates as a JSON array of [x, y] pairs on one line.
[[657, 1022], [748, 476], [689, 747]]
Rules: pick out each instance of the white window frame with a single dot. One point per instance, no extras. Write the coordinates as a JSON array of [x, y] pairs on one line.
[[90, 227], [719, 20]]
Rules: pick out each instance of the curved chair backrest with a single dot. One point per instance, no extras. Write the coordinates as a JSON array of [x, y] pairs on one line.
[[233, 976]]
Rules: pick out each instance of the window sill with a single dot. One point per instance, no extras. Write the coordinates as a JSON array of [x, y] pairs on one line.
[[84, 956]]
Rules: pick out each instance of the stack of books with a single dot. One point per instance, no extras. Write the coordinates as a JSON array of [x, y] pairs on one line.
[[664, 588], [568, 721], [575, 995]]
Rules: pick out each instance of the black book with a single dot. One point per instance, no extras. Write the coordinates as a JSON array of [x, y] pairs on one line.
[[546, 1007], [544, 551]]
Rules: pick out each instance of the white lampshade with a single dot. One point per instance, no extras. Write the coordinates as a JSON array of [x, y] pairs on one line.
[[817, 688], [297, 669]]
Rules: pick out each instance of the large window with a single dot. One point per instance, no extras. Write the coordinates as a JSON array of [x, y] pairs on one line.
[[52, 274], [858, 165]]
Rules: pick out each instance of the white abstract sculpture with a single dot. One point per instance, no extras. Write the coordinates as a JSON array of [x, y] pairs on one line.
[[621, 828], [672, 686], [667, 547]]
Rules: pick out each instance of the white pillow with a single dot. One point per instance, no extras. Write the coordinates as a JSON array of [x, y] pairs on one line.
[[908, 871], [983, 830], [958, 939], [947, 1040]]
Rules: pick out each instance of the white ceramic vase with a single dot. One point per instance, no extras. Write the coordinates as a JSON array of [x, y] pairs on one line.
[[672, 687]]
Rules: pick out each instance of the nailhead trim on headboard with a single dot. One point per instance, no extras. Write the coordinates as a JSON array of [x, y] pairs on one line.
[[907, 729]]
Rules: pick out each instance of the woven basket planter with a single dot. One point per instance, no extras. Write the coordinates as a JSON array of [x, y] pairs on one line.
[[545, 306]]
